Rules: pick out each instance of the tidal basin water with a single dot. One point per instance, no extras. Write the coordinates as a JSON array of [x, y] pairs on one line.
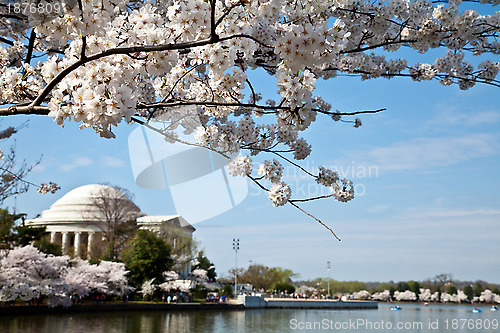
[[411, 318]]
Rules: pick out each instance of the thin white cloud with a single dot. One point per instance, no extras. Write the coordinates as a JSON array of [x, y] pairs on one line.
[[424, 153], [449, 116], [378, 208], [77, 162], [113, 161]]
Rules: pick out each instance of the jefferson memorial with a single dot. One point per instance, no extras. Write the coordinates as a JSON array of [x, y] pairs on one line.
[[77, 223]]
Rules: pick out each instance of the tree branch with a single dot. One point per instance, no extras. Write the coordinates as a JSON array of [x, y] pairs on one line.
[[6, 41], [213, 35], [128, 50], [19, 110], [31, 45], [314, 217]]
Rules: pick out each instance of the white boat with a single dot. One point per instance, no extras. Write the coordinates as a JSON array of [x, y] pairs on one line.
[[494, 308], [476, 310]]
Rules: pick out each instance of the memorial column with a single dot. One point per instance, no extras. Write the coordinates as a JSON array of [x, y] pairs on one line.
[[78, 240], [65, 242]]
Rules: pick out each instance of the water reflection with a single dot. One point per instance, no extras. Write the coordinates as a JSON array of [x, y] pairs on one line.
[[248, 321]]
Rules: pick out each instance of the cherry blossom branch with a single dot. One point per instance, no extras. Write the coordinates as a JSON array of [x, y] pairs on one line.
[[6, 41], [315, 218], [17, 177], [213, 34], [292, 202], [294, 164], [129, 50], [211, 104], [376, 46], [253, 179], [176, 82], [335, 113], [222, 39], [495, 83], [313, 198], [223, 16], [31, 45], [248, 105], [28, 109]]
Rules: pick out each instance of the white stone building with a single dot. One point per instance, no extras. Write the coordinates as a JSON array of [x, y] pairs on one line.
[[76, 223]]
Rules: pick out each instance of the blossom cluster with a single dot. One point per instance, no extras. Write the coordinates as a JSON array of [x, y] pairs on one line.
[[279, 194], [240, 165], [272, 170], [51, 187]]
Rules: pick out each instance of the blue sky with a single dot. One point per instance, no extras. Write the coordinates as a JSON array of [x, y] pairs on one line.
[[426, 172]]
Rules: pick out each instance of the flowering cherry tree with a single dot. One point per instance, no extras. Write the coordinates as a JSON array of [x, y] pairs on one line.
[[185, 65], [27, 273], [362, 294], [406, 295], [172, 282], [382, 296], [426, 295], [148, 288], [459, 297], [487, 296]]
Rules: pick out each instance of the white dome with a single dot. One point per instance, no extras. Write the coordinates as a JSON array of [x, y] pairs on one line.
[[83, 195], [79, 205]]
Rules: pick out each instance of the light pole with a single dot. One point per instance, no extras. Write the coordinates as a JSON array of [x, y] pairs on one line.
[[328, 269], [236, 247]]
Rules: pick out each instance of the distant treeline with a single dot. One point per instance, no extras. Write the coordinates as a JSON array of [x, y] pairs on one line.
[[440, 283]]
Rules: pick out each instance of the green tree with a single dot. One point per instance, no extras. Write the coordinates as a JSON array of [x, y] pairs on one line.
[[414, 286], [285, 287], [392, 290], [7, 226], [202, 262], [402, 286], [264, 277], [478, 289], [469, 291], [12, 235], [383, 286], [227, 290], [338, 286], [24, 235], [200, 292], [452, 289], [147, 257]]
